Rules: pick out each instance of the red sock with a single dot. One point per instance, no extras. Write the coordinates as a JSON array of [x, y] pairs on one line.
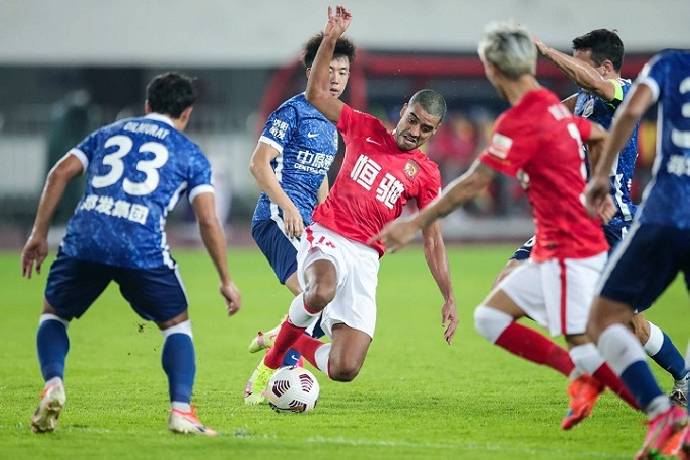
[[529, 344], [289, 333], [307, 347], [606, 376]]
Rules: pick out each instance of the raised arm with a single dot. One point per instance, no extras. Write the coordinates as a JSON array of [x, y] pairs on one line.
[[317, 92], [634, 106], [260, 167], [214, 239], [397, 234], [437, 260], [36, 248], [579, 72]]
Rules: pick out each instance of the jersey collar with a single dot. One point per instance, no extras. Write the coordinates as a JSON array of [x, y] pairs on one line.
[[160, 117]]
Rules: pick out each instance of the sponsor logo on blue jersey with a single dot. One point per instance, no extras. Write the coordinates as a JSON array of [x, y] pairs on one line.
[[136, 169], [667, 196], [306, 143], [594, 108]]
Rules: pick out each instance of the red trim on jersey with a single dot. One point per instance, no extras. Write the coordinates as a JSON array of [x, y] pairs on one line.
[[310, 235], [564, 295]]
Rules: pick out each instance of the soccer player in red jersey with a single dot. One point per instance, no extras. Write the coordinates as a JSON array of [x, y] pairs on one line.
[[337, 262], [539, 142]]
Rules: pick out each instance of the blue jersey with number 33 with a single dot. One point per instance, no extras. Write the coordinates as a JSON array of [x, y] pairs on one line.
[[667, 197], [136, 169]]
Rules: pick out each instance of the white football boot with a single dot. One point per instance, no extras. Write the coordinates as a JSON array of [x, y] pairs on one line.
[[188, 423], [52, 401]]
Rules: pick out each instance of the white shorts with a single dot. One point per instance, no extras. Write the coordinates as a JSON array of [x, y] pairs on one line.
[[357, 267], [556, 293]]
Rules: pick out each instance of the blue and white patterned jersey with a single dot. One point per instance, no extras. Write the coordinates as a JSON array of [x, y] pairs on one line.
[[598, 110], [306, 142], [667, 197], [136, 170]]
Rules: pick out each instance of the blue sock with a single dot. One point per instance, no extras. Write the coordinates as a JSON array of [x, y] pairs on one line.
[[52, 345], [178, 363], [641, 383], [670, 359]]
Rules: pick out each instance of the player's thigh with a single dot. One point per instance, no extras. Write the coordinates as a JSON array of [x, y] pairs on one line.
[[349, 349], [569, 287], [155, 294], [74, 284], [279, 250], [642, 266], [520, 293]]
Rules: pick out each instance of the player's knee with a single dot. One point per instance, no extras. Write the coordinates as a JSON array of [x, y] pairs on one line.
[[490, 322], [185, 327], [344, 370], [317, 296]]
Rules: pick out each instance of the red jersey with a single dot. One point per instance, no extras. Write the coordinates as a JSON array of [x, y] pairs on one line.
[[540, 142], [375, 181]]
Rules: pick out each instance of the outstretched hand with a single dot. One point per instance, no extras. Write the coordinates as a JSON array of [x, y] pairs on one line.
[[34, 252], [337, 23], [449, 319], [396, 234], [541, 46]]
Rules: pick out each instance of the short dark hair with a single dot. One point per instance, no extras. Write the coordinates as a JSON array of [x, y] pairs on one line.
[[431, 101], [343, 47], [604, 44], [171, 93]]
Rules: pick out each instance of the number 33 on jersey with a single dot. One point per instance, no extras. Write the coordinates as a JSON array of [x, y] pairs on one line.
[[136, 170]]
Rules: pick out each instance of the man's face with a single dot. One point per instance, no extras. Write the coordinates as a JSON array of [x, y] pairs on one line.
[[415, 127], [338, 75], [585, 55]]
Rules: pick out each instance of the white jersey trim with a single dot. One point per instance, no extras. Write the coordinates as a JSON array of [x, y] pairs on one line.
[[160, 117], [272, 143], [81, 156], [203, 188]]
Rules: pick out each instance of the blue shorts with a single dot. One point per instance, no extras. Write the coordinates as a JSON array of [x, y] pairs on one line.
[[280, 252], [645, 264], [74, 284]]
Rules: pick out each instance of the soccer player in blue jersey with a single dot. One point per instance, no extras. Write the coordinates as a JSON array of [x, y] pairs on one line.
[[290, 164], [660, 238], [136, 170]]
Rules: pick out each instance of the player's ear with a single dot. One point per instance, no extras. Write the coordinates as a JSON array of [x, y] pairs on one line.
[[608, 66], [307, 72], [402, 110], [147, 107], [186, 113]]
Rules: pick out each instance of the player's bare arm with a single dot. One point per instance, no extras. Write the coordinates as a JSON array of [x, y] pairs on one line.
[[437, 260], [322, 193], [570, 102], [36, 248], [260, 167], [397, 234], [632, 109], [595, 144], [214, 239], [318, 83], [579, 72]]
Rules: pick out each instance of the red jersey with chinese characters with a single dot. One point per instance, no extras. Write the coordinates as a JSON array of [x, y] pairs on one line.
[[540, 142], [375, 181]]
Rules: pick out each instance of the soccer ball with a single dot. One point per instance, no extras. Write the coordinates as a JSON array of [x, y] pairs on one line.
[[292, 389]]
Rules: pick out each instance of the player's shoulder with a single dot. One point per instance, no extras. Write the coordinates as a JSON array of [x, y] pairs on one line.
[[366, 120], [425, 164], [300, 106]]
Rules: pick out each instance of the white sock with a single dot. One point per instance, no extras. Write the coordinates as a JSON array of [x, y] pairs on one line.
[[620, 348], [655, 341], [586, 358], [658, 406], [298, 315], [182, 407], [490, 322], [53, 381], [321, 357]]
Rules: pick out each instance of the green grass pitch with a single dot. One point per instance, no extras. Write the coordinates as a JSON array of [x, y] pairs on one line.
[[416, 397]]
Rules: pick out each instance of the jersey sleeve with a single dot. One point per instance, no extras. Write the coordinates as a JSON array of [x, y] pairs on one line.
[[430, 190], [584, 126], [653, 75], [280, 127], [511, 147], [618, 94], [200, 177], [350, 122], [85, 150]]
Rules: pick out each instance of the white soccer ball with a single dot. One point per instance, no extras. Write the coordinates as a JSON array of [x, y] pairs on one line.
[[292, 389]]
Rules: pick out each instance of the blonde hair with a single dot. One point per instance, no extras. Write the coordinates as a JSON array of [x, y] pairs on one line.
[[510, 48]]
